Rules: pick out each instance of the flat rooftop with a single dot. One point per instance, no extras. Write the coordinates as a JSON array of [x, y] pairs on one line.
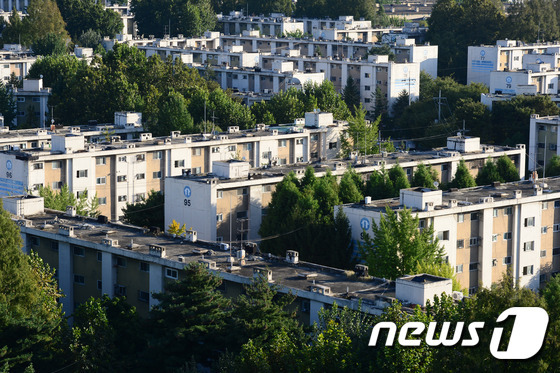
[[343, 284]]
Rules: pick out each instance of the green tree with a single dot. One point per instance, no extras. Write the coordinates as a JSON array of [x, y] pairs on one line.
[[506, 168], [462, 178], [43, 17], [441, 269], [173, 115], [398, 178], [553, 166], [488, 174], [425, 177], [14, 29], [190, 314], [379, 185], [7, 104], [351, 95], [146, 213], [84, 15], [398, 245], [362, 134], [532, 20], [60, 200], [90, 38], [49, 44], [31, 319], [350, 191]]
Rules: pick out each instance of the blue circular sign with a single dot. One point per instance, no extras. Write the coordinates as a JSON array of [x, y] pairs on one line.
[[405, 70], [508, 79], [364, 223], [539, 60], [482, 52], [187, 192], [9, 164]]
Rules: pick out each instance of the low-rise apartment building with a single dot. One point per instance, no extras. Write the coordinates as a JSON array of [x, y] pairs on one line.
[[229, 204], [484, 230], [125, 171], [544, 138], [92, 259]]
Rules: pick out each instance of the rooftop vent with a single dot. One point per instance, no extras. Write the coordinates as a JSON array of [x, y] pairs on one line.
[[361, 270], [320, 289], [260, 271], [292, 257], [156, 250], [66, 230]]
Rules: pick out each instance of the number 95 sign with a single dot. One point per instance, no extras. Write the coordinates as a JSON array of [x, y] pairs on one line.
[[187, 193]]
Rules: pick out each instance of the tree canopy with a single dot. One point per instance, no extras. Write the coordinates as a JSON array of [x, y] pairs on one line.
[[463, 177], [146, 213]]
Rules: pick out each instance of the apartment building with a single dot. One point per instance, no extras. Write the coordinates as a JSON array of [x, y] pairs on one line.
[[543, 140], [31, 103], [92, 259], [15, 60], [229, 204], [275, 25], [484, 230], [509, 56], [125, 171]]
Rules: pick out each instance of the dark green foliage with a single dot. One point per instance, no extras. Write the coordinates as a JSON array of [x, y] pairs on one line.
[[533, 20], [383, 184], [49, 44], [488, 174], [147, 213], [7, 104], [173, 115], [351, 94], [425, 177], [60, 200], [350, 187], [363, 135], [397, 245], [303, 217], [553, 166], [335, 8], [190, 319], [90, 39], [463, 178], [83, 15], [190, 18], [507, 170], [43, 17]]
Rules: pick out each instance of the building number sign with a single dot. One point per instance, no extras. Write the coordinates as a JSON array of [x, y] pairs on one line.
[[187, 192]]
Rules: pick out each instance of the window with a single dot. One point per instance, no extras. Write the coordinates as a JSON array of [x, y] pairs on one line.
[[550, 85], [56, 165], [36, 99], [473, 267], [57, 184], [282, 161], [366, 75], [21, 99], [545, 205], [37, 166], [140, 157], [121, 178], [460, 218], [443, 235], [180, 163], [158, 154], [544, 230], [507, 236], [122, 159], [299, 141], [282, 143], [556, 204], [507, 260], [459, 268], [315, 137], [219, 217], [79, 251], [495, 213], [249, 146], [367, 100], [473, 241], [508, 210], [121, 198], [196, 151], [120, 291], [156, 175], [529, 246], [556, 251], [143, 296], [232, 148], [494, 238], [100, 181], [241, 215], [267, 188], [140, 176], [171, 273], [99, 285], [54, 245], [79, 279], [102, 200], [265, 155], [242, 191], [196, 170], [542, 278], [99, 256], [81, 173], [543, 253], [121, 262], [530, 222], [556, 228], [527, 270], [139, 197], [421, 224], [216, 149], [472, 291], [474, 216], [100, 161], [367, 88], [219, 194], [333, 145], [460, 244], [34, 240]]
